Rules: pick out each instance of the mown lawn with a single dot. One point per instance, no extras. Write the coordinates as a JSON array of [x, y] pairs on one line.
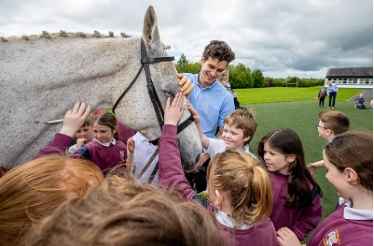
[[300, 113], [286, 94]]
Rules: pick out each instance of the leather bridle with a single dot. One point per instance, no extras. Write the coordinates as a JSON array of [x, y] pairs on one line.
[[145, 61]]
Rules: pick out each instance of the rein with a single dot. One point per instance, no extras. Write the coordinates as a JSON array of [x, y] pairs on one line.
[[145, 61]]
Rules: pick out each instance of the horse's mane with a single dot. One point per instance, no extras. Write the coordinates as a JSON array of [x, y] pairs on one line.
[[64, 34]]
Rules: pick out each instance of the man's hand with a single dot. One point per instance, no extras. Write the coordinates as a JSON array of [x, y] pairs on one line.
[[174, 112], [185, 85]]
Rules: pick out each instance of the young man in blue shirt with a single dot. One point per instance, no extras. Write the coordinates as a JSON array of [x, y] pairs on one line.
[[211, 100]]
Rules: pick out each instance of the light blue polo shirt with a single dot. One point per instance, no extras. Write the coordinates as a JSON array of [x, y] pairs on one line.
[[213, 104]]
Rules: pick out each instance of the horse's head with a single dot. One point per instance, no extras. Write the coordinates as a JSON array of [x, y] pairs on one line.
[[160, 72]]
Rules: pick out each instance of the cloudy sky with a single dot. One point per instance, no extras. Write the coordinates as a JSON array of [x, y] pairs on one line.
[[280, 37]]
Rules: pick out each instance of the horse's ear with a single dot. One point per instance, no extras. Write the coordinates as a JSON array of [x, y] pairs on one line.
[[151, 35]]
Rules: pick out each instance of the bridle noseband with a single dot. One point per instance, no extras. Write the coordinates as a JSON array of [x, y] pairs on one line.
[[145, 61]]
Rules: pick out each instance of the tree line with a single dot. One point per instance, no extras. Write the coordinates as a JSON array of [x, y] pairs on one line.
[[242, 76]]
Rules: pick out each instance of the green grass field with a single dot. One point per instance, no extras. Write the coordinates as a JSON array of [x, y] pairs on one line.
[[286, 94], [297, 109]]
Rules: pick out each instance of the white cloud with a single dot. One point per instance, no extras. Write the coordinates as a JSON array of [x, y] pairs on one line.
[[281, 38]]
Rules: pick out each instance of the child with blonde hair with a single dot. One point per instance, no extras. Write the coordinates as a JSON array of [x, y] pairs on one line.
[[348, 160], [296, 195], [240, 196], [238, 130]]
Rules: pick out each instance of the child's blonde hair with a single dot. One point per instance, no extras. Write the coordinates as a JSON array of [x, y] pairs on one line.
[[223, 74], [246, 183], [242, 119], [353, 150]]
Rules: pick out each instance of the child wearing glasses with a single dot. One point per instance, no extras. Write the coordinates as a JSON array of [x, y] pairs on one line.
[[331, 123]]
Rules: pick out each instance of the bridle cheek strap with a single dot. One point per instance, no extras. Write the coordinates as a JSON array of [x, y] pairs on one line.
[[145, 61]]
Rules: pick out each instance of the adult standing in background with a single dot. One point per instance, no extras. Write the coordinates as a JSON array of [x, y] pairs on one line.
[[224, 80], [332, 90], [211, 100]]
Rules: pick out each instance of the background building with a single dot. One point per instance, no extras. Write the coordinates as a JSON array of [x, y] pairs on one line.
[[351, 77]]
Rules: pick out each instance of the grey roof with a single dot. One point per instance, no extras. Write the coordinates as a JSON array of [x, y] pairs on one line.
[[351, 72]]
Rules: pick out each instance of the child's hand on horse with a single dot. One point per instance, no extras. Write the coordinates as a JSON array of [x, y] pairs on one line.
[[194, 113], [174, 111], [185, 84], [74, 118]]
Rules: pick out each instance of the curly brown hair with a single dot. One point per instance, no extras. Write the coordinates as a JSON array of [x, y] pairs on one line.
[[219, 50]]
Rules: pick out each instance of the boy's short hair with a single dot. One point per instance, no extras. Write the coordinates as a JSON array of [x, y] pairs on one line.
[[219, 50], [242, 119], [89, 120], [337, 121]]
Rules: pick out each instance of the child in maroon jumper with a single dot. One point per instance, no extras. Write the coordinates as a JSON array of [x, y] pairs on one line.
[[105, 150], [296, 195], [348, 160], [240, 196]]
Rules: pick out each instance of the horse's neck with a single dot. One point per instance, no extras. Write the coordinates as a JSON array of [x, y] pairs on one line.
[[57, 68], [42, 79]]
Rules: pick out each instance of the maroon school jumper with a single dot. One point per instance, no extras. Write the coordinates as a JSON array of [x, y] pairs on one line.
[[300, 221], [103, 157], [59, 144], [171, 175], [337, 230]]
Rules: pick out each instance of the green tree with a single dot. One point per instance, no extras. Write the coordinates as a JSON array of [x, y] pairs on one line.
[[240, 76], [182, 62], [258, 79], [184, 66]]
